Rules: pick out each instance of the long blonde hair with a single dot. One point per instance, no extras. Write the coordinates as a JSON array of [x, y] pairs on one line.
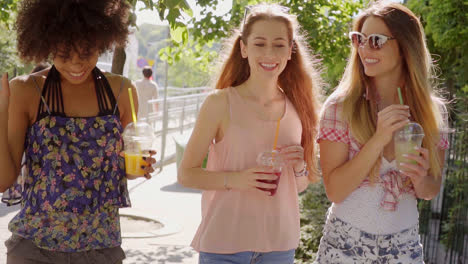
[[418, 92], [300, 80]]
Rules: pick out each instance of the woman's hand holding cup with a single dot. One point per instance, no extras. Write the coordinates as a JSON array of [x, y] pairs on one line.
[[148, 169], [416, 170], [293, 155], [389, 120], [255, 178]]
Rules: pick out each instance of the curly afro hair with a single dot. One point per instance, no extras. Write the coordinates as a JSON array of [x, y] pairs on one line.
[[45, 27]]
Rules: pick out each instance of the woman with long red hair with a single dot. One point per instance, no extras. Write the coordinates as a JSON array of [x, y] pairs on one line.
[[266, 79]]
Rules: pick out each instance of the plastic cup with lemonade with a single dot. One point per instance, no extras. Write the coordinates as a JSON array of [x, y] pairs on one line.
[[138, 140], [406, 141]]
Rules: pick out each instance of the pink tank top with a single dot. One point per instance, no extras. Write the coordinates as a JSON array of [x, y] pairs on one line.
[[235, 221]]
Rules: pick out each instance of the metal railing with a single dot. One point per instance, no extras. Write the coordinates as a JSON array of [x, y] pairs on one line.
[[444, 220], [175, 118]]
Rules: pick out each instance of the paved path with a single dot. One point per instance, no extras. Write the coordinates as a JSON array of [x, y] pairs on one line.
[[160, 198]]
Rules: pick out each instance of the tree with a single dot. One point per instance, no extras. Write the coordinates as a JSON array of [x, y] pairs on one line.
[[326, 23], [7, 8], [170, 10], [446, 32], [445, 27], [9, 61]]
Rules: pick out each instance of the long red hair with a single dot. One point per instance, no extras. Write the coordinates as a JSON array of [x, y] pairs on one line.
[[300, 80]]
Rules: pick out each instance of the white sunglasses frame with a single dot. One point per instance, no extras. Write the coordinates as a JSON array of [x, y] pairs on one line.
[[377, 46]]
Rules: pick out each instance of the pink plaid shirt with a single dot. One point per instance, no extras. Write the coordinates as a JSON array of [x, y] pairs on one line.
[[334, 128]]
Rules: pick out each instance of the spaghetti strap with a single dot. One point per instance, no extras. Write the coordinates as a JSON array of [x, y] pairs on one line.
[[40, 93], [118, 96]]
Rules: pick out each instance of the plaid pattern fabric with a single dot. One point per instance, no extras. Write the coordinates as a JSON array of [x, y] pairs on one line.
[[394, 185], [443, 143], [334, 128]]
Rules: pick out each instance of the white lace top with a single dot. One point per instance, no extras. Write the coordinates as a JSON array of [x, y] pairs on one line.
[[362, 209]]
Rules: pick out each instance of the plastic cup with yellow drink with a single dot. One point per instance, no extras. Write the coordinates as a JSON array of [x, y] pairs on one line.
[[138, 140], [406, 141]]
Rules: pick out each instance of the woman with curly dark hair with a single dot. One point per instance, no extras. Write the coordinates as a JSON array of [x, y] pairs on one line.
[[68, 120]]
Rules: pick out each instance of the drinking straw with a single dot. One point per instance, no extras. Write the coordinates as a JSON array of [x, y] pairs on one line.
[[132, 105], [130, 94], [276, 133], [399, 95]]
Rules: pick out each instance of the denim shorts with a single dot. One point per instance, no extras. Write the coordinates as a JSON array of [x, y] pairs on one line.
[[248, 257], [344, 244]]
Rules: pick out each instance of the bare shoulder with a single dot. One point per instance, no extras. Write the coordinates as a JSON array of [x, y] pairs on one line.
[[217, 101], [117, 82], [25, 86]]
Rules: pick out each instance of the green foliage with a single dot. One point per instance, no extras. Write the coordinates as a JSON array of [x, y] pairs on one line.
[[313, 205], [9, 61], [325, 22], [446, 31], [454, 225], [190, 67], [445, 27], [6, 10]]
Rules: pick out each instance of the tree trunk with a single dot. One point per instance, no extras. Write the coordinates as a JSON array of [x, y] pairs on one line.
[[118, 61]]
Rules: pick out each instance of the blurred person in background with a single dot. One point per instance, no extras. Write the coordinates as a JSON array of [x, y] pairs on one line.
[[147, 89]]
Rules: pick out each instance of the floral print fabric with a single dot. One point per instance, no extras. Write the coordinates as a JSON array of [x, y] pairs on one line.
[[74, 183], [344, 244]]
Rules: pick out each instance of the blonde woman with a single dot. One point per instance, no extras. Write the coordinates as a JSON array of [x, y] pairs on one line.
[[374, 216]]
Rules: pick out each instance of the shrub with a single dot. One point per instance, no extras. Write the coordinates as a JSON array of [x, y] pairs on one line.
[[313, 205]]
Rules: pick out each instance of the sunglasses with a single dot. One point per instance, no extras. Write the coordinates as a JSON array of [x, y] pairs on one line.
[[376, 41]]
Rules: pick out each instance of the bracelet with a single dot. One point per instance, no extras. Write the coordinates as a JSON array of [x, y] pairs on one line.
[[303, 172], [226, 184]]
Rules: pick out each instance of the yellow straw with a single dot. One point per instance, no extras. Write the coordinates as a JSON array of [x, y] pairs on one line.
[[134, 117], [276, 134], [130, 94]]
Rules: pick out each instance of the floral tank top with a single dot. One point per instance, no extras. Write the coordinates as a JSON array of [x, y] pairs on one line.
[[74, 176]]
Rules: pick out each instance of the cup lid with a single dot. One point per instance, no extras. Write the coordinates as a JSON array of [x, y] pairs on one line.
[[269, 158], [412, 128], [140, 131]]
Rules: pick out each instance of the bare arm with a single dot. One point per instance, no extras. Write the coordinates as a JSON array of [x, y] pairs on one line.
[[209, 120], [124, 101], [302, 183], [342, 176], [212, 115], [293, 155], [13, 125]]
